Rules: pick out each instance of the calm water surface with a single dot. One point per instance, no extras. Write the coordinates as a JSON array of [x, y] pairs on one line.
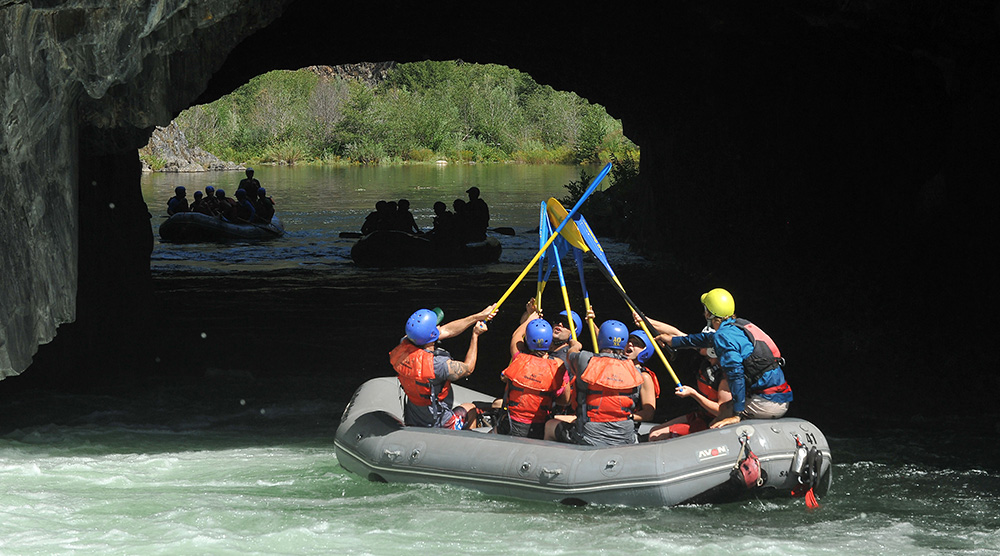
[[214, 466], [316, 203]]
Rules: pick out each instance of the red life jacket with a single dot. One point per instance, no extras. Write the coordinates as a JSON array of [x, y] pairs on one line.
[[708, 382], [415, 369], [610, 389], [765, 356], [532, 387]]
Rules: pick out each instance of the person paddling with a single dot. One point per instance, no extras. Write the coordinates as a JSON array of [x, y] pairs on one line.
[[426, 371], [750, 359]]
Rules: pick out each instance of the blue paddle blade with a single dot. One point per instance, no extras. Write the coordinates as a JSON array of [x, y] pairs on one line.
[[578, 255], [543, 238], [591, 240]]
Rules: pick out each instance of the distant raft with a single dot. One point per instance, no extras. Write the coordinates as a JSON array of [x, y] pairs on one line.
[[390, 248], [371, 441], [189, 227]]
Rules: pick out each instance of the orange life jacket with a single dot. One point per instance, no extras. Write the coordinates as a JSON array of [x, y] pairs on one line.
[[656, 383], [610, 389], [532, 385], [415, 369]]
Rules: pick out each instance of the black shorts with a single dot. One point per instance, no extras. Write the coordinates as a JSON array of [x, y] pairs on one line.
[[527, 430], [566, 432]]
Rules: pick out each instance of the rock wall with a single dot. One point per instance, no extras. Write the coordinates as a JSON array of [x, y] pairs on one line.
[[838, 156], [170, 148], [83, 79]]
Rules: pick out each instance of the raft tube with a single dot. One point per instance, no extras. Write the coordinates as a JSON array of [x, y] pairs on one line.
[[185, 227], [372, 442], [391, 248]]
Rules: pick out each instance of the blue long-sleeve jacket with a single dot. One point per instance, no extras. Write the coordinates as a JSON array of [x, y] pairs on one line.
[[732, 346]]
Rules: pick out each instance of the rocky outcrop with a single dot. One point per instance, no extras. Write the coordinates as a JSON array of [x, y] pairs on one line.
[[369, 73], [168, 147]]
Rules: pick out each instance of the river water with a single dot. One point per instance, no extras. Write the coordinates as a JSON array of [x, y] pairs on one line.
[[221, 441]]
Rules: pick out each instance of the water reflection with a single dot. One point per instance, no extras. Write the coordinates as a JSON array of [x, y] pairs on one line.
[[317, 203]]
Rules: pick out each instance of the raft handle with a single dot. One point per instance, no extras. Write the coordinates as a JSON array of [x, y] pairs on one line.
[[551, 472]]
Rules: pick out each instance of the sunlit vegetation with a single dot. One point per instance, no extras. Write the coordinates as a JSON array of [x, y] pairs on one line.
[[422, 112]]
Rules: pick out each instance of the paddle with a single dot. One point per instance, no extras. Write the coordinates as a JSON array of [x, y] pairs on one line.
[[578, 255], [543, 238], [576, 208], [589, 243], [504, 231], [562, 284], [351, 234]]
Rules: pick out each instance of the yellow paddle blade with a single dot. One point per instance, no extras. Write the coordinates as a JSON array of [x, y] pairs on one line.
[[557, 213]]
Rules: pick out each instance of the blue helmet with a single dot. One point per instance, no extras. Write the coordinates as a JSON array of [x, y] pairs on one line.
[[647, 350], [421, 327], [577, 323], [612, 335], [538, 335]]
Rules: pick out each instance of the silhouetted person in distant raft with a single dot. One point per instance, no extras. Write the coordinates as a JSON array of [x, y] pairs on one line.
[[403, 219], [444, 221], [371, 221], [250, 184], [479, 214], [445, 230], [178, 203], [198, 205], [464, 228], [226, 205], [210, 203], [245, 211], [264, 206], [388, 220]]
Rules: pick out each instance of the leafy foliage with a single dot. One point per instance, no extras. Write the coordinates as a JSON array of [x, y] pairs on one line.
[[612, 207], [422, 111]]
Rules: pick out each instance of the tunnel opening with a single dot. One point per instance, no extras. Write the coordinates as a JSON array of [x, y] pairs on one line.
[[840, 146]]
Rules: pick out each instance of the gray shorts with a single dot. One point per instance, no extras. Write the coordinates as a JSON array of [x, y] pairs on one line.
[[759, 408], [619, 433]]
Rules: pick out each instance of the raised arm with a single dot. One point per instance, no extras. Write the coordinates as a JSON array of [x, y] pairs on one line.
[[456, 327], [658, 326], [517, 338], [462, 369]]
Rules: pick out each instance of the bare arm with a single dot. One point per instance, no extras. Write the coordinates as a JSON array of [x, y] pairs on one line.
[[710, 406], [531, 312], [456, 327], [517, 338], [462, 369], [658, 326], [647, 400]]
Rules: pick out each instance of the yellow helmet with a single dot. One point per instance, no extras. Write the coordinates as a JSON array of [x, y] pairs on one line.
[[719, 302]]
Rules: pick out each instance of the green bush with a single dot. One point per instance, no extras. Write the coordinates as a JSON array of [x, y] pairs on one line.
[[422, 111]]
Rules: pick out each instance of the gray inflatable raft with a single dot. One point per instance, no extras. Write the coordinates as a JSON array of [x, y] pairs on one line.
[[372, 442], [196, 227]]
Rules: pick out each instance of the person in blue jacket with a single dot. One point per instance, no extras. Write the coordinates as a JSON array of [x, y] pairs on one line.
[[750, 359]]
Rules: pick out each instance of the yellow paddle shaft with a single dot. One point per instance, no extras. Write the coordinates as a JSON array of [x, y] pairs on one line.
[[524, 273]]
